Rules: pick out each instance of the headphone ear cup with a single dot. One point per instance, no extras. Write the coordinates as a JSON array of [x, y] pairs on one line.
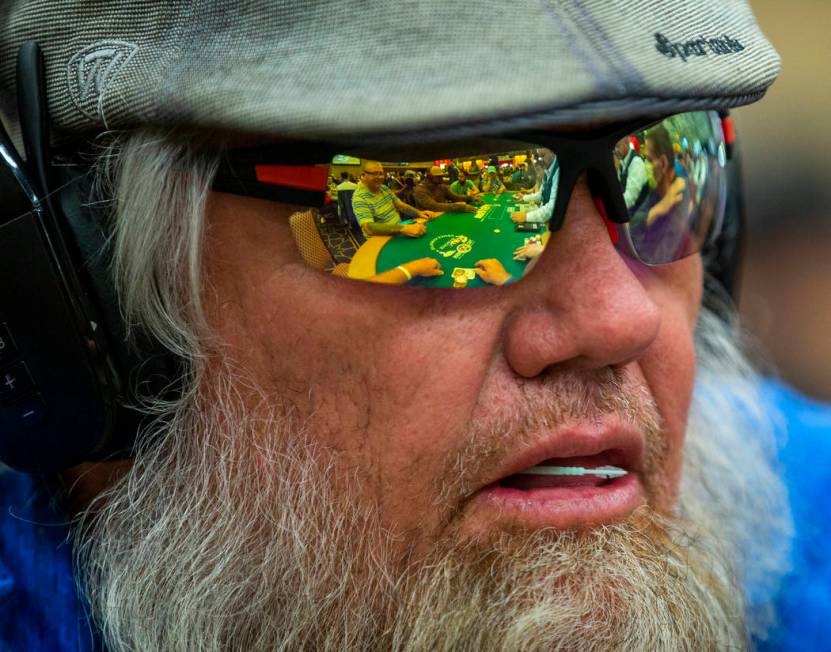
[[723, 256], [142, 367]]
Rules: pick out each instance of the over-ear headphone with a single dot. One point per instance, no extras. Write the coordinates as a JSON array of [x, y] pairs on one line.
[[68, 376], [723, 256]]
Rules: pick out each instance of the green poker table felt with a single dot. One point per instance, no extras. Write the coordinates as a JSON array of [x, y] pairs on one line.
[[455, 240]]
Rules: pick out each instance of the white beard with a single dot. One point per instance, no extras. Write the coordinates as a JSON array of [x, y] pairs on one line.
[[214, 543]]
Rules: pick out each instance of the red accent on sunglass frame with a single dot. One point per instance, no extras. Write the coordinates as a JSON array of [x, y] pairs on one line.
[[611, 227], [729, 130], [305, 177]]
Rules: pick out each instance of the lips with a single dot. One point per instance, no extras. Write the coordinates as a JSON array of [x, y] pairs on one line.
[[575, 478], [589, 446]]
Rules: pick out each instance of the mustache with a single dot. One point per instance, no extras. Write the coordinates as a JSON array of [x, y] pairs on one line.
[[546, 404]]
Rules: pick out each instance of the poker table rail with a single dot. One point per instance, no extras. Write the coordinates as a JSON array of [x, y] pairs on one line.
[[365, 261]]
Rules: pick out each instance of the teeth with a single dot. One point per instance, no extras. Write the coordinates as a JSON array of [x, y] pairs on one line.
[[603, 471]]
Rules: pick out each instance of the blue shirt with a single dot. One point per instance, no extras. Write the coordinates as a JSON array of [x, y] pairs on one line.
[[39, 607], [803, 603]]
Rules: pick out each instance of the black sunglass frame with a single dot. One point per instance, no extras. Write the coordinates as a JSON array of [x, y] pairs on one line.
[[591, 152]]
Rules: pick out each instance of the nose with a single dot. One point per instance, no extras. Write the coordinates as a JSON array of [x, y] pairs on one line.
[[583, 304]]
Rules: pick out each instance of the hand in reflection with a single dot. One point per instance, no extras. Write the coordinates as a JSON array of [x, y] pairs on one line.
[[670, 200], [526, 252], [428, 215], [491, 271], [413, 230], [424, 267]]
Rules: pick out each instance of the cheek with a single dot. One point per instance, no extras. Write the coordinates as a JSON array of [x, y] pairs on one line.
[[385, 376], [390, 377], [669, 365]]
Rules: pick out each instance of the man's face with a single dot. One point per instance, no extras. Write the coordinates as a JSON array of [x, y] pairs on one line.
[[437, 401], [373, 176], [658, 163], [622, 148]]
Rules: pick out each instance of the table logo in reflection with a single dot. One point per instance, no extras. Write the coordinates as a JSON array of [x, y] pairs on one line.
[[451, 246]]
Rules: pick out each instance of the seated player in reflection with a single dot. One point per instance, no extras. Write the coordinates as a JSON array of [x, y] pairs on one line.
[[536, 174], [394, 182], [378, 210], [463, 185], [491, 183], [531, 168], [520, 177], [407, 188], [546, 195], [474, 172], [452, 171], [698, 173], [345, 183], [433, 195], [662, 217], [631, 172]]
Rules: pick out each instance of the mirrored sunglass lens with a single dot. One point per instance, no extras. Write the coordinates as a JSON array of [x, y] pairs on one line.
[[674, 185], [472, 220]]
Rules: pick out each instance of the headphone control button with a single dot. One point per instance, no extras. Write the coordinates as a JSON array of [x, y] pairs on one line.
[[15, 381], [26, 413]]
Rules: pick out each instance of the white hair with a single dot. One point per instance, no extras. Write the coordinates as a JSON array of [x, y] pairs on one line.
[[214, 542], [159, 184], [731, 483]]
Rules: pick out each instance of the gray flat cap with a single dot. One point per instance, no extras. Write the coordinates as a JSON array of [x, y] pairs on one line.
[[322, 69]]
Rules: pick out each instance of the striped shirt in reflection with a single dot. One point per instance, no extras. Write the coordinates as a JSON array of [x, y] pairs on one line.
[[374, 207]]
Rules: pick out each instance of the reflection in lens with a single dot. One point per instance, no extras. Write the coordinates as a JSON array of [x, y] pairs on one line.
[[671, 176], [476, 213], [474, 220]]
